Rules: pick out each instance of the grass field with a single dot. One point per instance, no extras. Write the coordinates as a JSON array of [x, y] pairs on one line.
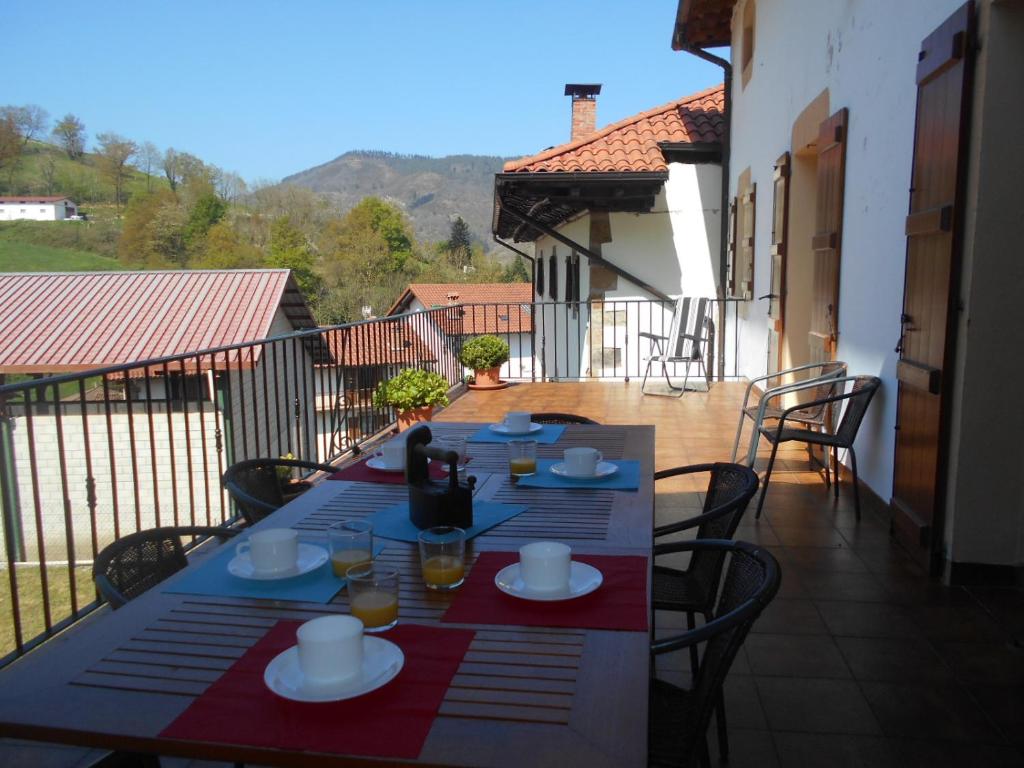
[[27, 257], [30, 605]]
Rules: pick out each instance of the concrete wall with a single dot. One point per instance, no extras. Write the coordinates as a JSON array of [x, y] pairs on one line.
[[865, 53], [34, 211]]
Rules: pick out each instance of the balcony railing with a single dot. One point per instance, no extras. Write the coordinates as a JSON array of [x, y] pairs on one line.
[[88, 457]]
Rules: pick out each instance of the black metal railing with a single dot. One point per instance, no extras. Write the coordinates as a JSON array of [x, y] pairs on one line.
[[88, 457]]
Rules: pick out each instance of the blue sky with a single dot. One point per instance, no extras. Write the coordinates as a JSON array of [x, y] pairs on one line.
[[270, 88]]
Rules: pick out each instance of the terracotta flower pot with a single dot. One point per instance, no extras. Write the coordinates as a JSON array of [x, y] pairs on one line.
[[489, 377], [413, 417]]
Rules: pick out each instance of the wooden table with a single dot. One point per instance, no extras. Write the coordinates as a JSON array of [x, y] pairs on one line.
[[522, 697]]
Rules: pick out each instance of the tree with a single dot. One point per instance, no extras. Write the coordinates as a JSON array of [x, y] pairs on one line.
[[289, 250], [153, 231], [459, 246], [172, 170], [10, 142], [30, 120], [223, 248], [115, 152], [207, 210], [48, 170], [150, 159], [516, 272], [70, 134]]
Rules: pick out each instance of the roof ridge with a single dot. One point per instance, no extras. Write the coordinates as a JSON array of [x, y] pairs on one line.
[[512, 165]]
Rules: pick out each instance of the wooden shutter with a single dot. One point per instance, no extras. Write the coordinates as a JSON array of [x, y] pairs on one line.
[[933, 229], [777, 284], [539, 269], [827, 240], [746, 244], [553, 275], [730, 267]]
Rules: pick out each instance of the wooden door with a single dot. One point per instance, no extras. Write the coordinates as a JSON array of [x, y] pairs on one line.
[[777, 285], [934, 235], [828, 236]]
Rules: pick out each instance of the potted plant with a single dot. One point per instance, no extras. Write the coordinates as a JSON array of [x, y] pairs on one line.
[[485, 355], [414, 393]]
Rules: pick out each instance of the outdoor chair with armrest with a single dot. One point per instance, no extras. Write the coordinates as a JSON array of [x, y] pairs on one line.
[[821, 384], [255, 487], [560, 418], [686, 343], [859, 398], [679, 717]]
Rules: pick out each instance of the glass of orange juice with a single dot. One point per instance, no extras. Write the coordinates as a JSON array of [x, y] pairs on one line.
[[373, 595], [522, 458], [351, 545], [443, 557]]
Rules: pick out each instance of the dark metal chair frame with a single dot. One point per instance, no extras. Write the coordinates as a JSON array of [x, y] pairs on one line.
[[258, 500], [560, 418], [751, 582], [859, 396], [167, 556]]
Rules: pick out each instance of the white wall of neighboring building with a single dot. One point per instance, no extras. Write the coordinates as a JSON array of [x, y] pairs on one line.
[[865, 53], [33, 210]]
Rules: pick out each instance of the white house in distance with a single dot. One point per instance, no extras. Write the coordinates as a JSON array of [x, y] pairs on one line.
[[500, 309], [36, 208], [146, 446], [623, 220], [881, 144]]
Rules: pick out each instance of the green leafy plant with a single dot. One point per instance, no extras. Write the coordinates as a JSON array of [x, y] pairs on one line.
[[484, 352], [412, 388], [284, 474]]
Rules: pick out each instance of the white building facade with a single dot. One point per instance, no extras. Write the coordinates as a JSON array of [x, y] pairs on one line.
[[36, 208]]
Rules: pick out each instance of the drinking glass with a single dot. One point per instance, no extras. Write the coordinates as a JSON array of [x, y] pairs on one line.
[[442, 557], [373, 595], [351, 544], [522, 458], [457, 444]]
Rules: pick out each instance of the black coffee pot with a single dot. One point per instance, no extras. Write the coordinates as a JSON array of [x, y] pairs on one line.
[[435, 502]]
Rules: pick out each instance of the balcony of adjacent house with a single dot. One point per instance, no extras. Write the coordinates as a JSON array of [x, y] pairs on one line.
[[87, 457]]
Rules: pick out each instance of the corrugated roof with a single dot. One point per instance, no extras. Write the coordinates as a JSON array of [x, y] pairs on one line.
[[631, 145], [31, 199], [515, 317], [53, 322]]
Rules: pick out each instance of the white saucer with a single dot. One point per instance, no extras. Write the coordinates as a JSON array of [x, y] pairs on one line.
[[583, 579], [382, 660], [604, 469], [311, 557], [502, 429], [377, 463]]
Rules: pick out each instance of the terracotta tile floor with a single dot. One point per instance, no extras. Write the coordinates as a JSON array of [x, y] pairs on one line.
[[860, 660]]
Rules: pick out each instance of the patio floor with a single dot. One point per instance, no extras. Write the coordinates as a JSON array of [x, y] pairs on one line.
[[860, 660]]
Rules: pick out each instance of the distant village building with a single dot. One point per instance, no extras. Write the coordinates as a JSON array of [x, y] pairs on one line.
[[37, 208], [500, 309]]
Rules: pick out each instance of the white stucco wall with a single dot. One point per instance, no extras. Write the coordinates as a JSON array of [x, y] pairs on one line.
[[32, 211], [865, 53]]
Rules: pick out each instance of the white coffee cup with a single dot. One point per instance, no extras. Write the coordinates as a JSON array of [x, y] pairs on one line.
[[581, 462], [272, 550], [518, 422], [330, 649], [544, 566], [393, 454]]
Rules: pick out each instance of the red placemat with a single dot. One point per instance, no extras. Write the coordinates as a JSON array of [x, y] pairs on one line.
[[619, 603], [360, 473], [392, 721]]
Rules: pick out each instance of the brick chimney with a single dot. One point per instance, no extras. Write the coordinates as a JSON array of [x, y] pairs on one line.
[[584, 108]]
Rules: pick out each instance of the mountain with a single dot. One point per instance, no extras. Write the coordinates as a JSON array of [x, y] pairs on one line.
[[431, 190]]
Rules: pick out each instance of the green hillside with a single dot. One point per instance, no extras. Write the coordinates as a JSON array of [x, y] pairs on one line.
[[28, 257]]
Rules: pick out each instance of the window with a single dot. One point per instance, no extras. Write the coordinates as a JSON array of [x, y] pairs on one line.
[[747, 42], [539, 276], [553, 275]]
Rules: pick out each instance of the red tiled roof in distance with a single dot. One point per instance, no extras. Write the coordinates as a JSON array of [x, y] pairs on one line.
[[632, 144], [509, 316], [379, 343], [33, 199], [53, 322]]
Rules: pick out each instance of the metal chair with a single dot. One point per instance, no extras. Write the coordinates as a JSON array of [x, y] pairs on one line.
[[686, 342], [560, 418], [859, 397], [139, 561], [679, 717], [693, 590], [255, 486], [821, 384]]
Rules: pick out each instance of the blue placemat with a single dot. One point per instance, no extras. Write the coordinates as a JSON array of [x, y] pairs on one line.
[[548, 433], [212, 578], [626, 479], [394, 522]]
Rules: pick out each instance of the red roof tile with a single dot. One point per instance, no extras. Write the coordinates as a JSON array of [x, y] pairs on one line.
[[512, 315], [632, 144], [379, 343], [72, 321]]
